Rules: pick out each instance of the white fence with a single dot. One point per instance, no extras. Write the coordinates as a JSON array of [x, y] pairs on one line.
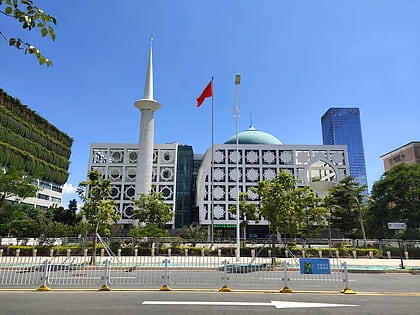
[[177, 272]]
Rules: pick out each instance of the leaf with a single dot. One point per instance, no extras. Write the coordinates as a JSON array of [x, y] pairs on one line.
[[44, 32], [8, 10], [51, 32]]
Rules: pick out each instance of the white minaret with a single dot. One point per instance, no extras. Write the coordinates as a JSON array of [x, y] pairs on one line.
[[147, 106]]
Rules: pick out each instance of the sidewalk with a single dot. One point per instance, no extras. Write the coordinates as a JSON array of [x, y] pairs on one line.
[[392, 263]]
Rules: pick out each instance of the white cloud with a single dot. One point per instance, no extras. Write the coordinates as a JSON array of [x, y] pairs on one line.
[[69, 189]]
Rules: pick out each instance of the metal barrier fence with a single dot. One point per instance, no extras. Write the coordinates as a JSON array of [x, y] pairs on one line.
[[177, 272]]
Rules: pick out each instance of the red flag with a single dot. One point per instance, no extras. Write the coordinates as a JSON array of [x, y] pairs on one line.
[[207, 92]]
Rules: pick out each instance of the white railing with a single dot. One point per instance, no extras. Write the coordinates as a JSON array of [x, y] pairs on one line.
[[147, 272]]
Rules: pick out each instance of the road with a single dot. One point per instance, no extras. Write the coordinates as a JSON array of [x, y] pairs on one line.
[[140, 302]]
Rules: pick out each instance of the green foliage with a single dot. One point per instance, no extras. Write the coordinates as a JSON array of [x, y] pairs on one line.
[[345, 201], [14, 184], [247, 211], [26, 13], [25, 221], [396, 198], [150, 209], [289, 209], [37, 150], [276, 202], [346, 251], [31, 143], [151, 230], [98, 208], [66, 216], [311, 215], [193, 232], [13, 108]]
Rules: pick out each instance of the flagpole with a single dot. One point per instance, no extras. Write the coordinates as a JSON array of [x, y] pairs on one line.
[[212, 165]]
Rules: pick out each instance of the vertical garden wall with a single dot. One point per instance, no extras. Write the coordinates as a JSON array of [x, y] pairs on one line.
[[30, 143]]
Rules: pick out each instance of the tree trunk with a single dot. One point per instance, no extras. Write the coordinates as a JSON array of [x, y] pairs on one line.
[[94, 242], [273, 249]]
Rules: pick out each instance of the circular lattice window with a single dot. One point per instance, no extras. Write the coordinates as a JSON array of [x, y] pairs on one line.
[[167, 156], [132, 157], [167, 192], [117, 157], [166, 174], [115, 174], [115, 192], [128, 211], [130, 192]]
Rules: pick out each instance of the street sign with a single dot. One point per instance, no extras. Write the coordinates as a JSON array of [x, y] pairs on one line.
[[314, 266], [397, 226]]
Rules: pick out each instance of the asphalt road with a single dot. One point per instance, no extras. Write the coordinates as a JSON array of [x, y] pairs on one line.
[[383, 293], [139, 302]]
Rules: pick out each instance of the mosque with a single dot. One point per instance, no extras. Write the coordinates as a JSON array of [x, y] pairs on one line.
[[185, 180]]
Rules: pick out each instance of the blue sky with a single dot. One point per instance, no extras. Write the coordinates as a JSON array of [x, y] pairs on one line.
[[296, 59]]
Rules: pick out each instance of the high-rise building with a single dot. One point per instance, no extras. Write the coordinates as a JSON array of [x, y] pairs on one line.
[[341, 126], [30, 143]]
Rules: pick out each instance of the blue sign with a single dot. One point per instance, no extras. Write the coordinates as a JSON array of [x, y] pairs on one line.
[[314, 266]]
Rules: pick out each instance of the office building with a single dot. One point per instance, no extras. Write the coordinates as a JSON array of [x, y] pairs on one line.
[[408, 154], [341, 126]]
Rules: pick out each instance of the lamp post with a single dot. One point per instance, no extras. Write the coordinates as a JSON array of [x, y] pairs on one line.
[[238, 235]]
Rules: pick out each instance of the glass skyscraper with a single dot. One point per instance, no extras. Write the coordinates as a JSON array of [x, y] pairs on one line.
[[342, 126]]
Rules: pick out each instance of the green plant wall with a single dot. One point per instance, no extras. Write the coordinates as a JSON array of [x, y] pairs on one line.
[[31, 143]]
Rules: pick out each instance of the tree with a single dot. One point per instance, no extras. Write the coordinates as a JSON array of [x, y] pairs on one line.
[[9, 213], [395, 197], [247, 211], [345, 201], [15, 184], [72, 209], [98, 208], [151, 230], [151, 209], [289, 209], [193, 232], [311, 213], [66, 216], [30, 17]]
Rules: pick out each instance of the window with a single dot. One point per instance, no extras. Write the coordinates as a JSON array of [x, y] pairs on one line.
[[56, 200], [43, 197], [57, 188], [44, 185]]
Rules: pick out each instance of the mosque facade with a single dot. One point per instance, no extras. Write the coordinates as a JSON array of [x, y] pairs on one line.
[[202, 187]]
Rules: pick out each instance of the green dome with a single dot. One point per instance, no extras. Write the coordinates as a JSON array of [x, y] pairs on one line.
[[253, 136]]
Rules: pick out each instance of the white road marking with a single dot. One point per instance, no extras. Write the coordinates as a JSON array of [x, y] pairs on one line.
[[276, 304]]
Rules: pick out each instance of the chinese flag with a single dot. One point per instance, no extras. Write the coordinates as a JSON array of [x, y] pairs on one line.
[[207, 92]]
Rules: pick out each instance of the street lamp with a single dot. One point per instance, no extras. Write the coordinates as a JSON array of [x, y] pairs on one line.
[[238, 235]]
